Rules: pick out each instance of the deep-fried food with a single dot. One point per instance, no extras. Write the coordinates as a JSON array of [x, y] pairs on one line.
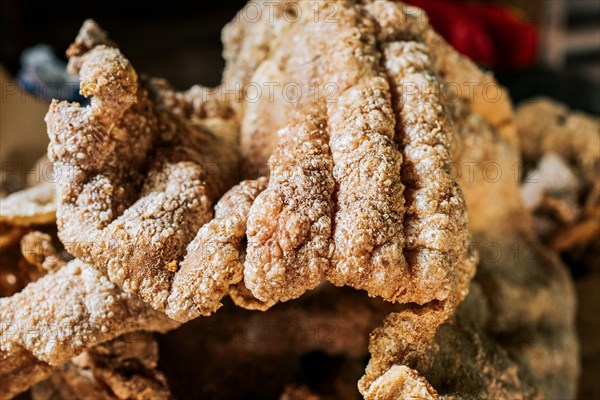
[[59, 316], [213, 261], [124, 368], [367, 141], [136, 172], [334, 207], [461, 362], [34, 205], [564, 190], [528, 290]]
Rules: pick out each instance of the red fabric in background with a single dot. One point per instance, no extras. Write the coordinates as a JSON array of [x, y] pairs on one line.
[[488, 34]]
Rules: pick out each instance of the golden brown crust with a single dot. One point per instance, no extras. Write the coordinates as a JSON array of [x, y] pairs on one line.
[[369, 217], [138, 177], [528, 290], [62, 314], [334, 207], [214, 260], [289, 226], [459, 363], [37, 248]]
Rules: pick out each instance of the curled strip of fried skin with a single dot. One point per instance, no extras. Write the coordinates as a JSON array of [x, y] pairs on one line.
[[37, 248], [213, 259], [399, 21], [62, 314], [435, 223], [35, 205], [368, 233], [136, 174], [289, 226]]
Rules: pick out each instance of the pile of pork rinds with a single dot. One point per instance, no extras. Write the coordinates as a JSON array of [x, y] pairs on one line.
[[383, 235]]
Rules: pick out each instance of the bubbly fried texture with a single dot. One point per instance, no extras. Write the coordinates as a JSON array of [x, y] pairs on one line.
[[334, 208], [290, 223], [362, 144], [519, 341], [213, 261], [360, 193], [124, 368], [59, 316], [37, 248], [137, 173]]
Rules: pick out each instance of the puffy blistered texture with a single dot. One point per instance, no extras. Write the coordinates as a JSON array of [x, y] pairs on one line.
[[360, 192], [124, 368], [137, 173], [59, 316], [214, 260]]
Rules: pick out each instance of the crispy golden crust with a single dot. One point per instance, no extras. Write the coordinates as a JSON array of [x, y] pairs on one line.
[[368, 234], [528, 290], [289, 227], [62, 314], [478, 88], [435, 222], [37, 248], [214, 258], [137, 176], [459, 363], [366, 136], [334, 207]]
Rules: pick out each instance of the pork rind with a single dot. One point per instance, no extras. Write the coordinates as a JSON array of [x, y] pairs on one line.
[[124, 368], [33, 206], [138, 173], [59, 316], [527, 345], [359, 191], [528, 288]]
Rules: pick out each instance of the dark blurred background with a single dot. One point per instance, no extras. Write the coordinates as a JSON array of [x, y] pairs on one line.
[[175, 39], [535, 47]]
